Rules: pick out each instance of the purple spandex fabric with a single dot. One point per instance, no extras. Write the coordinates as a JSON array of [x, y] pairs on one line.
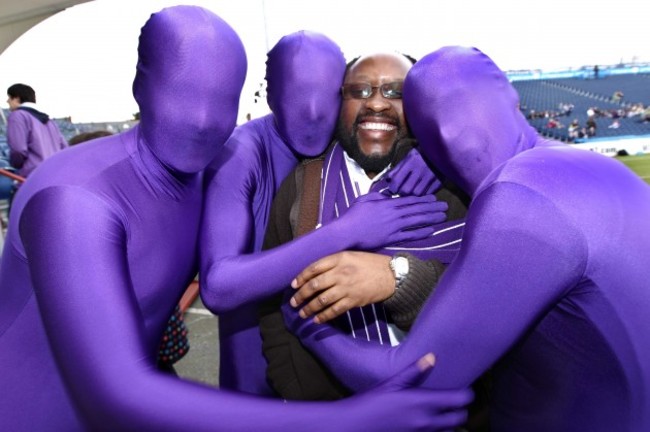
[[551, 282], [304, 93], [304, 74], [102, 244]]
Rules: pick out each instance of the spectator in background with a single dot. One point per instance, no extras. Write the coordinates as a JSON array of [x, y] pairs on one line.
[[646, 115], [554, 123], [591, 126], [574, 130], [617, 96], [87, 136], [31, 135]]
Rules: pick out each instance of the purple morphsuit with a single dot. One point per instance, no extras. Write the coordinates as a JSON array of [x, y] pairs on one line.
[[550, 288], [303, 92], [304, 72], [101, 245]]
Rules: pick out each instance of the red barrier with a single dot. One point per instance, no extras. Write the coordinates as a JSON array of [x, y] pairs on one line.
[[11, 175]]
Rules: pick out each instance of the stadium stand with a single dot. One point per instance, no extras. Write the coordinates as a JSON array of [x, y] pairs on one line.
[[550, 100], [542, 99]]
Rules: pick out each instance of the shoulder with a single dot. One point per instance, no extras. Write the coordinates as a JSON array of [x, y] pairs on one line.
[[64, 204], [19, 116], [253, 135]]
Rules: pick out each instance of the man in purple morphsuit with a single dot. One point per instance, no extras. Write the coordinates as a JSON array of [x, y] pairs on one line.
[[304, 75], [101, 245], [540, 289]]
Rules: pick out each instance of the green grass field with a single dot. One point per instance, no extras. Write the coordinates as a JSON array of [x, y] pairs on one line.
[[639, 164]]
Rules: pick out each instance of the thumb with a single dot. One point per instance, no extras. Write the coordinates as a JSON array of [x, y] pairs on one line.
[[411, 376]]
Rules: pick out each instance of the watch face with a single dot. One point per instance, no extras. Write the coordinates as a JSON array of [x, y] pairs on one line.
[[400, 266]]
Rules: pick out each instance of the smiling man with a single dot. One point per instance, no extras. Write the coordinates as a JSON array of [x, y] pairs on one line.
[[360, 287], [372, 120]]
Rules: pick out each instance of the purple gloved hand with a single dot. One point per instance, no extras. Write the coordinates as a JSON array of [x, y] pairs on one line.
[[431, 410], [375, 221], [411, 176]]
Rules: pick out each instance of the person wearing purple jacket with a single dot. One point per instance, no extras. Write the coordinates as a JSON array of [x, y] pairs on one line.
[[551, 283], [304, 74], [31, 135], [102, 243]]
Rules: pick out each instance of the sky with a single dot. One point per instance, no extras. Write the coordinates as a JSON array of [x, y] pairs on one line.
[[81, 62]]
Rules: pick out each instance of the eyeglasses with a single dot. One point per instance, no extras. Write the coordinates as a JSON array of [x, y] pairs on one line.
[[392, 90]]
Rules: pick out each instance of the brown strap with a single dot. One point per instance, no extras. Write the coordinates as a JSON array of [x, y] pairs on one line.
[[309, 196]]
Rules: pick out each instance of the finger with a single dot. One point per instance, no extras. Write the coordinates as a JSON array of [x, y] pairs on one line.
[[413, 234], [416, 220], [321, 301], [396, 177], [411, 222], [431, 186], [409, 186], [451, 399], [427, 203], [431, 209], [412, 375], [334, 311], [314, 270], [311, 288]]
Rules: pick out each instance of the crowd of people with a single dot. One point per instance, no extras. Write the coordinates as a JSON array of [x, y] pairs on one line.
[[392, 248], [575, 130]]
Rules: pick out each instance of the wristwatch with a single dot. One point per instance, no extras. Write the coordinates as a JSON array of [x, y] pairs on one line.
[[400, 267]]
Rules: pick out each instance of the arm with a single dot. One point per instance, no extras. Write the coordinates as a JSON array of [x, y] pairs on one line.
[[337, 283], [77, 256], [520, 255], [231, 275], [350, 279], [17, 132]]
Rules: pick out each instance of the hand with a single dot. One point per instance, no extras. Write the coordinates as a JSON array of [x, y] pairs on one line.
[[431, 410], [412, 176], [339, 282], [375, 221]]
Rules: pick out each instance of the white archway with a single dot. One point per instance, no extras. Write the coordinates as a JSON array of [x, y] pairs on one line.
[[16, 17]]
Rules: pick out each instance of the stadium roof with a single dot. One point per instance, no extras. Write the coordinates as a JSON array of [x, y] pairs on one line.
[[18, 16]]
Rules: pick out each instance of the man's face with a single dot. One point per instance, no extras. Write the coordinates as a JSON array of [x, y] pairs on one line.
[[13, 102], [369, 128]]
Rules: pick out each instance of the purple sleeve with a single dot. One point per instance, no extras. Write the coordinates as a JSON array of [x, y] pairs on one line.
[[77, 258], [17, 139], [495, 289], [232, 280], [124, 391]]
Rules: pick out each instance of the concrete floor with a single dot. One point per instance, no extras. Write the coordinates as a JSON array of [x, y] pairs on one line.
[[201, 363]]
